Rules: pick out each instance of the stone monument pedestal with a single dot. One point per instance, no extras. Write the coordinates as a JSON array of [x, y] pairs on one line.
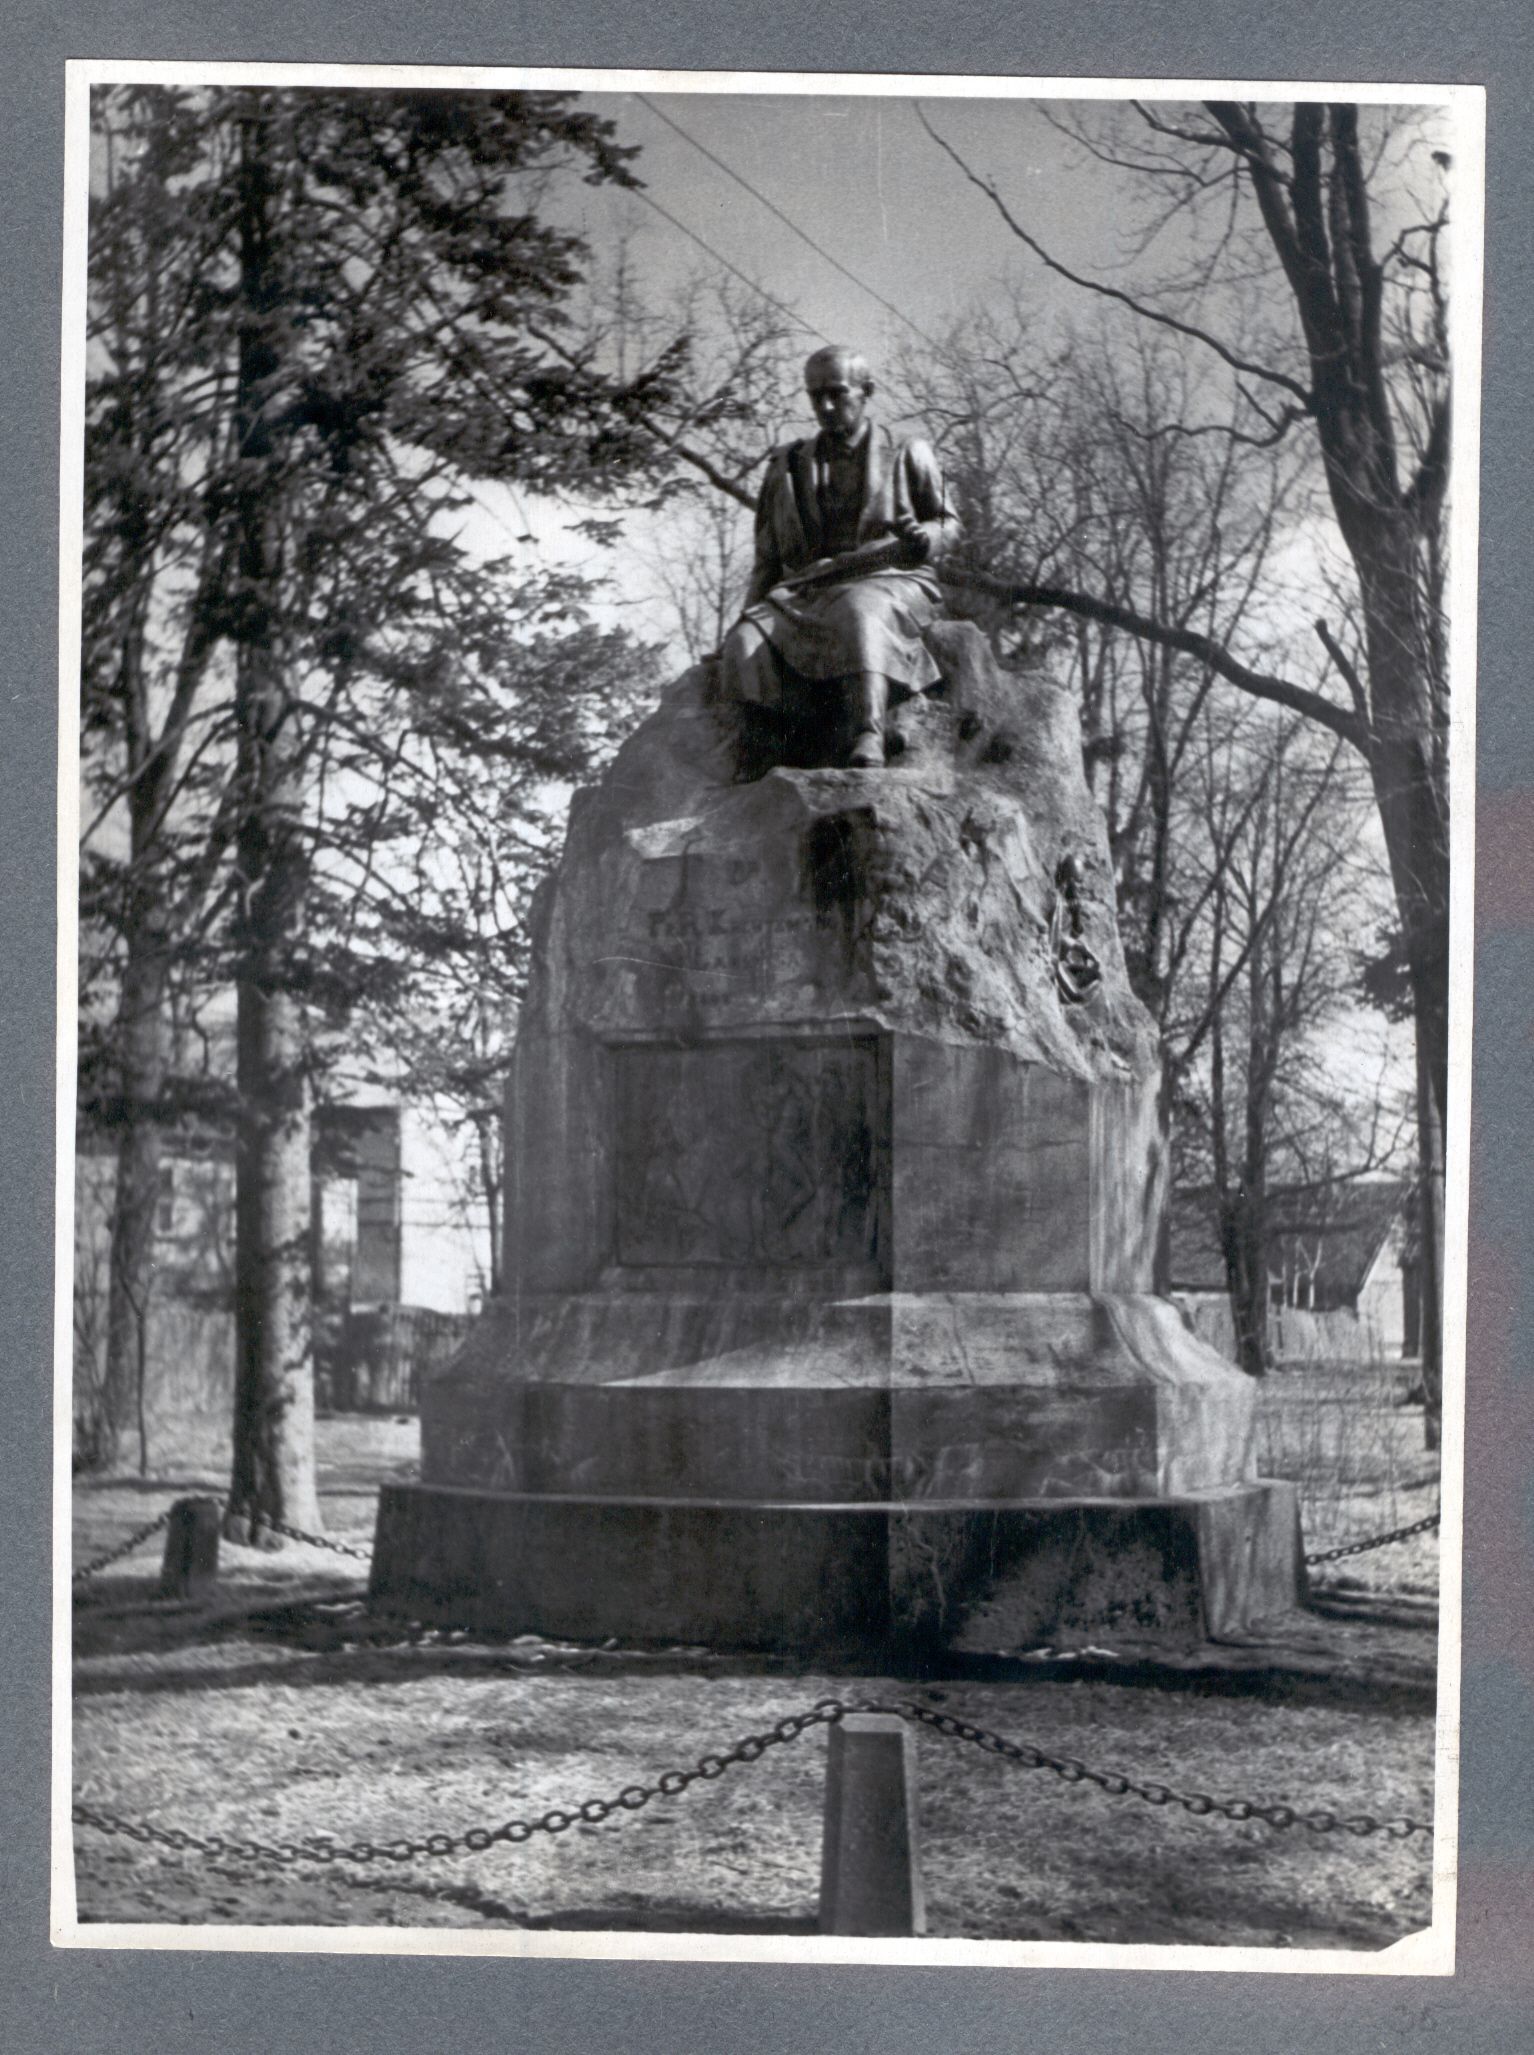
[[898, 1473], [833, 1226]]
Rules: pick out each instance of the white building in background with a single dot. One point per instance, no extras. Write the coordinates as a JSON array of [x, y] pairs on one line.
[[1343, 1285], [399, 1220], [400, 1251]]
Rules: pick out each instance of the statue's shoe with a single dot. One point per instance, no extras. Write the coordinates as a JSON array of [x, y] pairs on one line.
[[867, 752]]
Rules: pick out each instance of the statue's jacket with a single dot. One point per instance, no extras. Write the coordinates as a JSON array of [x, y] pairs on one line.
[[902, 480], [874, 622]]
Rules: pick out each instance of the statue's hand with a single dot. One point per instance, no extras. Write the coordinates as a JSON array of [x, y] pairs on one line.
[[914, 540], [789, 588]]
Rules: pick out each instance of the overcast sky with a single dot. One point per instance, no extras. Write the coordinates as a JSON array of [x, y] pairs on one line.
[[860, 176], [863, 179]]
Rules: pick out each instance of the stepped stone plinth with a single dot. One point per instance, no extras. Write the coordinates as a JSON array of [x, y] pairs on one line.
[[835, 1204]]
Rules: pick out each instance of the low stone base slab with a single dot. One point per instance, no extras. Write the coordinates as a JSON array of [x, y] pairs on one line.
[[842, 1579]]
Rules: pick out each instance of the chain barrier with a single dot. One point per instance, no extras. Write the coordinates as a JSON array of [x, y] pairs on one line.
[[322, 1848], [751, 1748], [340, 1548], [142, 1534], [1199, 1803], [365, 1555], [124, 1548], [1358, 1548]]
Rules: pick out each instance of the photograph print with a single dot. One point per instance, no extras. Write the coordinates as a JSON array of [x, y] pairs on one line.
[[765, 1015]]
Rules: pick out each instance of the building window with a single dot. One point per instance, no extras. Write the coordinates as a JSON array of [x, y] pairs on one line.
[[165, 1200]]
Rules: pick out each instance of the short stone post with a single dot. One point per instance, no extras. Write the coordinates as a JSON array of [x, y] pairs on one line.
[[870, 1861], [190, 1567]]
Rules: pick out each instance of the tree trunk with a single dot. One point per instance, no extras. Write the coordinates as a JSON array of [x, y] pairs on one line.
[[1430, 1229], [141, 1031], [487, 1132], [273, 1473], [135, 1200], [1406, 775], [1242, 1243], [1406, 772], [139, 1084], [1241, 1209]]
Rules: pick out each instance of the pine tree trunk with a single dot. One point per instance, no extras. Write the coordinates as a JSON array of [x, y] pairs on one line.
[[140, 1039], [273, 1474], [135, 1200], [141, 1035], [273, 1471]]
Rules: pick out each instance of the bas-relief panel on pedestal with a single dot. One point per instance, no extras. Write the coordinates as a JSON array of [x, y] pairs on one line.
[[747, 1152]]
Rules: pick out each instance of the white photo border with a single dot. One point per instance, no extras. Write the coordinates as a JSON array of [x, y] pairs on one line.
[[1429, 1952]]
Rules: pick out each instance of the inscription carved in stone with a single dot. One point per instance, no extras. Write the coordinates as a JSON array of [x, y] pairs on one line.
[[710, 940], [746, 1152]]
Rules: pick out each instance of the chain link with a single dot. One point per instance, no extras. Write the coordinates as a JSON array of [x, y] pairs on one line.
[[1199, 1803], [123, 1548], [1358, 1548], [142, 1534], [340, 1548], [321, 1848]]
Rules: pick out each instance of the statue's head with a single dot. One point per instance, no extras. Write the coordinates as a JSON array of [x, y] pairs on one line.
[[838, 382]]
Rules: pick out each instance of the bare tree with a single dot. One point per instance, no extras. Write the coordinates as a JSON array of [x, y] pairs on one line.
[[1093, 472], [1088, 476], [1349, 343], [1274, 883], [701, 572]]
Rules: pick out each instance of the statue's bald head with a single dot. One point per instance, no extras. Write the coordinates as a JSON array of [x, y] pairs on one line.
[[838, 383], [837, 365]]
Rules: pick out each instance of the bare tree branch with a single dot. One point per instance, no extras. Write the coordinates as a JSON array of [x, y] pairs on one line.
[[1259, 684], [1347, 670], [710, 470], [1206, 139], [1111, 292]]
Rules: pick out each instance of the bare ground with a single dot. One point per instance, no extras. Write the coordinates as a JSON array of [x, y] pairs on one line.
[[266, 1714]]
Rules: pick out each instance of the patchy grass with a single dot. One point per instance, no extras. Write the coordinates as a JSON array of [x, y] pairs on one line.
[[225, 1722], [241, 1737]]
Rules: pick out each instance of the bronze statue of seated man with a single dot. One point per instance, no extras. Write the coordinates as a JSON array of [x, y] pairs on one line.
[[850, 526]]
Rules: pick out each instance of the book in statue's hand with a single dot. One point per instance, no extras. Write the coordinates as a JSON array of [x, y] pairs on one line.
[[890, 552]]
